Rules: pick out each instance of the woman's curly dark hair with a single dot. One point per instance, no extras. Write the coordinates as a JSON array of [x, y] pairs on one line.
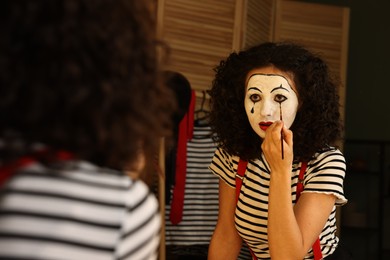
[[317, 124], [82, 75]]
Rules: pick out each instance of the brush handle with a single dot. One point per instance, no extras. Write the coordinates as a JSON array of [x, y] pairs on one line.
[[281, 133]]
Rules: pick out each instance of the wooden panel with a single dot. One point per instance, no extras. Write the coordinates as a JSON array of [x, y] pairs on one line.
[[259, 25], [200, 34], [322, 28]]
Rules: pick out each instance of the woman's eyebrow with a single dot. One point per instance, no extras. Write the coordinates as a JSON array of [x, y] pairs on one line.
[[254, 88], [280, 87]]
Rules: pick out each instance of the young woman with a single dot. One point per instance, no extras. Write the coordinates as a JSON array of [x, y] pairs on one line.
[[82, 109], [276, 107]]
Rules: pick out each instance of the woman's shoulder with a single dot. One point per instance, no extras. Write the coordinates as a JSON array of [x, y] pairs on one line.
[[328, 153], [131, 193], [329, 157], [224, 165], [139, 193], [222, 155], [87, 172]]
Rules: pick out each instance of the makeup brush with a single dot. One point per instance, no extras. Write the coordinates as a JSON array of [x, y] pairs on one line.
[[281, 133]]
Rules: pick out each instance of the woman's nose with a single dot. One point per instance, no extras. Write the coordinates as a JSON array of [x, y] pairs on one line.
[[266, 108]]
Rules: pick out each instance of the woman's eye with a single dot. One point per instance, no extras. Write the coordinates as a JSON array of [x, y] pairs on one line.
[[280, 98], [254, 97]]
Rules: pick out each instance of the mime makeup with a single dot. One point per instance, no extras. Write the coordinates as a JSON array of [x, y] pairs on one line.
[[266, 89]]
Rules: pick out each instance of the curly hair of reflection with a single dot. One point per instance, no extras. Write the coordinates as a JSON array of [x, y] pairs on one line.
[[317, 124], [82, 75]]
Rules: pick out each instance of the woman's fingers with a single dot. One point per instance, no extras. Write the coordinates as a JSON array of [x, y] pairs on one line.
[[272, 143]]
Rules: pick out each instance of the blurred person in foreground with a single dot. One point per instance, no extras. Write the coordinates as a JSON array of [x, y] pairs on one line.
[[81, 109]]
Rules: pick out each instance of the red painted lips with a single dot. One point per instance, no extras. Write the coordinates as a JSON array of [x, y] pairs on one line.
[[264, 125]]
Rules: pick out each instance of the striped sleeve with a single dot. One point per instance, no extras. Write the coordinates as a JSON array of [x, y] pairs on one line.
[[326, 175], [224, 166], [141, 225]]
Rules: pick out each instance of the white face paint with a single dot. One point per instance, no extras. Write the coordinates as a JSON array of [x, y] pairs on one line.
[[268, 93]]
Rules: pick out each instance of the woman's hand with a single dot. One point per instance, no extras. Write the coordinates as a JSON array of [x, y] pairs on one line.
[[272, 147]]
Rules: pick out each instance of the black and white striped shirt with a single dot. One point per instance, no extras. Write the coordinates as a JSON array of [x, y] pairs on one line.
[[200, 210], [324, 174], [77, 211]]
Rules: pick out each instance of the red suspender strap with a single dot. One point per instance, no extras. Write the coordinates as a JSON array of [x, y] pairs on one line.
[[241, 168], [316, 246], [317, 250], [186, 128], [7, 170], [300, 179], [240, 176]]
